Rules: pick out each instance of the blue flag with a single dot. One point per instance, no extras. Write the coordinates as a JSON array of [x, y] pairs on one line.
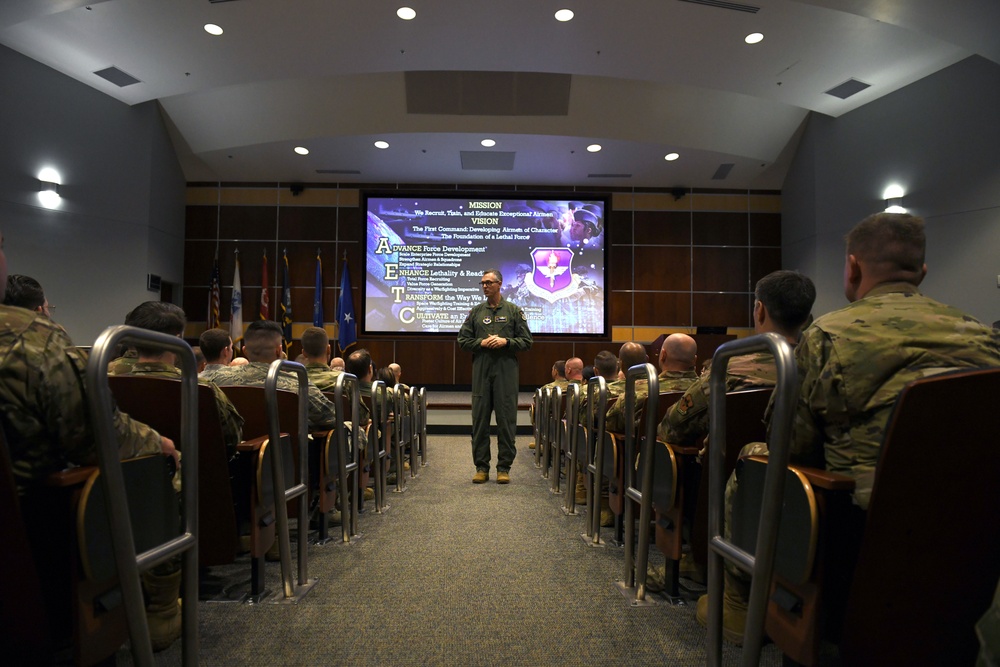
[[318, 294], [345, 313], [286, 306]]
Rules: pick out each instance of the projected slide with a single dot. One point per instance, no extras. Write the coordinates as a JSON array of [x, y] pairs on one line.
[[426, 255]]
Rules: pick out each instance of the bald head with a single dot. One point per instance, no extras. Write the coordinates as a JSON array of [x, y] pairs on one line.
[[630, 354], [574, 369], [678, 353], [397, 371]]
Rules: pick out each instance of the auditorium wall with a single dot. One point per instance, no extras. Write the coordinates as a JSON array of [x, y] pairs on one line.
[[937, 138], [122, 211]]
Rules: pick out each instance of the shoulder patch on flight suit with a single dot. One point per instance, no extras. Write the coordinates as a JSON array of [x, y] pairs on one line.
[[523, 316]]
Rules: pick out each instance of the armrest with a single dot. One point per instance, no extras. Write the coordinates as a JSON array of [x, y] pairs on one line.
[[251, 445], [683, 450], [70, 476], [824, 479]]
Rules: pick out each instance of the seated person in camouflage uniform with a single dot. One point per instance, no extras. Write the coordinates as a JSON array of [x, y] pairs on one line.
[[217, 346], [167, 318], [558, 380], [783, 302], [26, 292], [854, 362], [262, 344], [630, 354], [316, 349], [337, 364], [45, 418], [677, 360]]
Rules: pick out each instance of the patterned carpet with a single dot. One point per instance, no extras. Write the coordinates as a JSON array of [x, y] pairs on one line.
[[456, 574]]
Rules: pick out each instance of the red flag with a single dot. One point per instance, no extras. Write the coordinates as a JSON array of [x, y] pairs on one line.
[[264, 300]]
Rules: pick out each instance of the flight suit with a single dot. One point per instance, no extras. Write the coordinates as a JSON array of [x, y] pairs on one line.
[[494, 378]]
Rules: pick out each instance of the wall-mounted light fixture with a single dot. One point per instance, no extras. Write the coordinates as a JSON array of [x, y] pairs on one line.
[[48, 191], [893, 197]]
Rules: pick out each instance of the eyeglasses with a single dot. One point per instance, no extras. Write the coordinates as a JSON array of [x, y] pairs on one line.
[[487, 283]]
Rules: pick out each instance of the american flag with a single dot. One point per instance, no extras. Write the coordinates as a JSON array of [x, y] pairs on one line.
[[213, 297]]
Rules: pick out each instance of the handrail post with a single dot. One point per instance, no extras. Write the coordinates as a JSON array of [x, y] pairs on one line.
[[129, 564], [422, 396], [300, 488], [635, 571], [572, 447], [377, 430], [761, 564], [401, 418], [596, 414], [414, 433], [348, 515], [536, 426]]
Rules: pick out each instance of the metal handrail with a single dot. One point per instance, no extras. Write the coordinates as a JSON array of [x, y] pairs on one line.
[[596, 415], [348, 527], [300, 488], [400, 433], [536, 425], [553, 403], [761, 564], [572, 447], [635, 572], [379, 449], [129, 563], [422, 396], [414, 433]]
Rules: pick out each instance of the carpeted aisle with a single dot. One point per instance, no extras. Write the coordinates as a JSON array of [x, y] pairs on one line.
[[457, 574]]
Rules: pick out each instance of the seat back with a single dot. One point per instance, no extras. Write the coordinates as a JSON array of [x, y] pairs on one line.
[[156, 401], [930, 557]]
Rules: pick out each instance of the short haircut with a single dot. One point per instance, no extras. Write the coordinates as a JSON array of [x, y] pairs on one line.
[[495, 272], [632, 353], [260, 337], [160, 316], [213, 342], [560, 367], [788, 297], [606, 364], [315, 342], [24, 292], [387, 376], [894, 242], [588, 372], [358, 363]]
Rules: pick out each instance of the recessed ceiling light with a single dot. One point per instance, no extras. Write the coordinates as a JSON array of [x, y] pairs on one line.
[[593, 148], [406, 13], [382, 144], [753, 38], [302, 150], [50, 175], [488, 143], [894, 191], [670, 157], [213, 29], [564, 15]]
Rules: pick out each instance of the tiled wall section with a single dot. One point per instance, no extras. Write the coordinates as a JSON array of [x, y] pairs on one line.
[[675, 264]]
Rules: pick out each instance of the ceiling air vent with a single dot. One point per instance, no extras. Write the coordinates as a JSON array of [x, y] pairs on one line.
[[723, 171], [488, 160], [609, 175], [848, 88], [117, 76], [734, 6], [338, 171]]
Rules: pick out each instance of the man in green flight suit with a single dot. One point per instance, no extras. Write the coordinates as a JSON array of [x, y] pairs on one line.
[[493, 331]]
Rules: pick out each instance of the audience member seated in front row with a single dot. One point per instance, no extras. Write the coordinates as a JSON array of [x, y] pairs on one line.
[[167, 318], [262, 344], [46, 423], [854, 362]]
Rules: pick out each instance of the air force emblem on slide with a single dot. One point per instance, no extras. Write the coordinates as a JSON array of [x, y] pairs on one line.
[[552, 277]]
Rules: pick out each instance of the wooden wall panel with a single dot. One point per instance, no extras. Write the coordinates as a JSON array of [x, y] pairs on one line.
[[720, 270], [762, 262], [621, 309], [307, 223], [201, 222], [716, 228], [248, 222], [426, 362], [721, 310], [662, 228], [765, 229], [619, 228], [662, 268], [620, 267], [654, 308]]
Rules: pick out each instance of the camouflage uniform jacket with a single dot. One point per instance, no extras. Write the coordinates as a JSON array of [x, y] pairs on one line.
[[232, 422], [43, 403], [322, 415], [321, 375], [210, 370], [669, 381], [854, 362], [686, 422], [615, 389], [123, 364]]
